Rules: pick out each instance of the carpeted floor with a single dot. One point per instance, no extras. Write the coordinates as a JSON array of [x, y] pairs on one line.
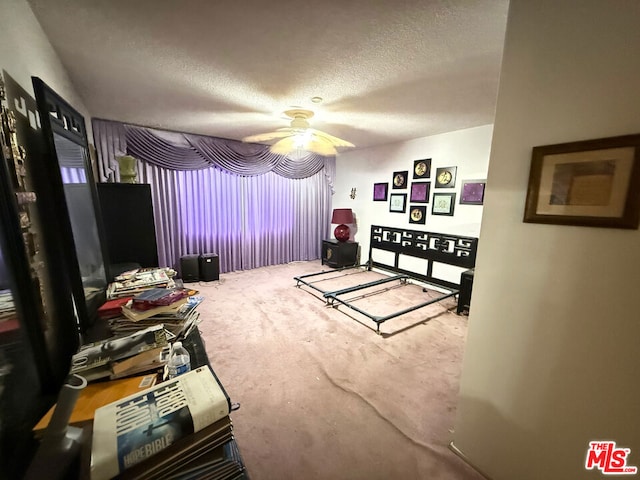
[[322, 395]]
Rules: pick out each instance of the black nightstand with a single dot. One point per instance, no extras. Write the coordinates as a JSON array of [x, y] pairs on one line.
[[466, 285], [339, 254]]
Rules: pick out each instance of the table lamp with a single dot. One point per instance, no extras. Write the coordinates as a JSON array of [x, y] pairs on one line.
[[342, 216]]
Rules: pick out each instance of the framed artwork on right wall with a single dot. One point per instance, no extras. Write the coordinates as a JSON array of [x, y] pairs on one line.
[[446, 177], [472, 192], [398, 202], [422, 168], [400, 179], [420, 192], [443, 203], [380, 192]]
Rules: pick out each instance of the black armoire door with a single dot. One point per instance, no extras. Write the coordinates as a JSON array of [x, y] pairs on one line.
[[67, 173], [130, 234]]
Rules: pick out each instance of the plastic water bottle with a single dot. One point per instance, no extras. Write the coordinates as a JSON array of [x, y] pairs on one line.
[[179, 362]]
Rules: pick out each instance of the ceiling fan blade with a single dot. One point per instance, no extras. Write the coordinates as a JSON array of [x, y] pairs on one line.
[[284, 146], [321, 147], [264, 137], [338, 142], [289, 145]]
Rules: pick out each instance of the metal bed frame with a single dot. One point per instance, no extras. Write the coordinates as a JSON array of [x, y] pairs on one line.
[[456, 250]]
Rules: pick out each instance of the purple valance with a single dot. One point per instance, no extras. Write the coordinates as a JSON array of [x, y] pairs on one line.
[[184, 151]]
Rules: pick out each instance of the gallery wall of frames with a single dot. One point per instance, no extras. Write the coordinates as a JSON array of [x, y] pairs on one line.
[[421, 191]]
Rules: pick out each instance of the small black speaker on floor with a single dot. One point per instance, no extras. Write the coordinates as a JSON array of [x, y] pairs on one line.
[[189, 268], [209, 267]]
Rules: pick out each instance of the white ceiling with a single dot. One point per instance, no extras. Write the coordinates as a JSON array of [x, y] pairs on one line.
[[387, 70]]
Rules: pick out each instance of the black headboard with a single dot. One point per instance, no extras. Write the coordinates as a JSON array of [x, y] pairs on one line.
[[434, 247]]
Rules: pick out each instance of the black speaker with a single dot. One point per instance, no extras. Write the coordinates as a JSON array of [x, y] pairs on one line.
[[466, 287], [209, 267], [189, 268]]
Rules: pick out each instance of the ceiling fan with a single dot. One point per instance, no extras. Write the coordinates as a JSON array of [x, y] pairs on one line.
[[300, 137]]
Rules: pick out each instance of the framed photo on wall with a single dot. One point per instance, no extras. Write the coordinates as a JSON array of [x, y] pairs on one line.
[[380, 192], [420, 192], [400, 179], [443, 203], [472, 192], [446, 177], [422, 168], [592, 183], [418, 214], [398, 202]]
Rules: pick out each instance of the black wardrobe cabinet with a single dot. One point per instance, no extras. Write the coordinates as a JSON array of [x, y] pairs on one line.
[[130, 233]]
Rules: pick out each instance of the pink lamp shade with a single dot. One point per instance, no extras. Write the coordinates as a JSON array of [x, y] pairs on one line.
[[342, 216]]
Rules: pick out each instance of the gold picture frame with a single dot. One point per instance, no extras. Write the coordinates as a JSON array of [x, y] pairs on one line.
[[593, 183]]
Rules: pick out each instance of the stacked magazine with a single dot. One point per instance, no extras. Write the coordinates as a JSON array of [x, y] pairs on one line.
[[179, 318], [143, 350], [179, 429], [7, 308], [137, 281]]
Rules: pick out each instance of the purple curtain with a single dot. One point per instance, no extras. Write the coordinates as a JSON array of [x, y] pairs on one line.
[[275, 211], [73, 175]]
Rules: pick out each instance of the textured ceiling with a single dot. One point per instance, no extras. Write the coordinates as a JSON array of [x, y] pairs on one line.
[[387, 70]]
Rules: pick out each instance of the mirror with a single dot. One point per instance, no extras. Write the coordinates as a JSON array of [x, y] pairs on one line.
[[77, 206], [77, 191]]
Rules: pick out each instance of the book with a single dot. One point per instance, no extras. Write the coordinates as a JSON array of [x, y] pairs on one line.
[[140, 426], [221, 463], [184, 453], [93, 360], [147, 357], [157, 297], [137, 315], [112, 308], [96, 395], [141, 363]]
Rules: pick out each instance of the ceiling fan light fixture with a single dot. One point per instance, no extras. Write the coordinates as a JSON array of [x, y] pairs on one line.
[[301, 140], [299, 137]]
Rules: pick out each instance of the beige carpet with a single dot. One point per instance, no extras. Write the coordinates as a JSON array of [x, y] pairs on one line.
[[322, 395]]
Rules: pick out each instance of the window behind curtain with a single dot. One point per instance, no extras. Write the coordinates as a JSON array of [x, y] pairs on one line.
[[248, 221]]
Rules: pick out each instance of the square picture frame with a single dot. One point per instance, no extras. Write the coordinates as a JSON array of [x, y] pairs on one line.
[[472, 192], [398, 202], [446, 177], [422, 168], [400, 179], [420, 192], [590, 183], [443, 204], [380, 191], [418, 214]]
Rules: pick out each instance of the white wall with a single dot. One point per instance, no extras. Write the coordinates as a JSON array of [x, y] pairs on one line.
[[468, 150], [25, 51], [552, 351]]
